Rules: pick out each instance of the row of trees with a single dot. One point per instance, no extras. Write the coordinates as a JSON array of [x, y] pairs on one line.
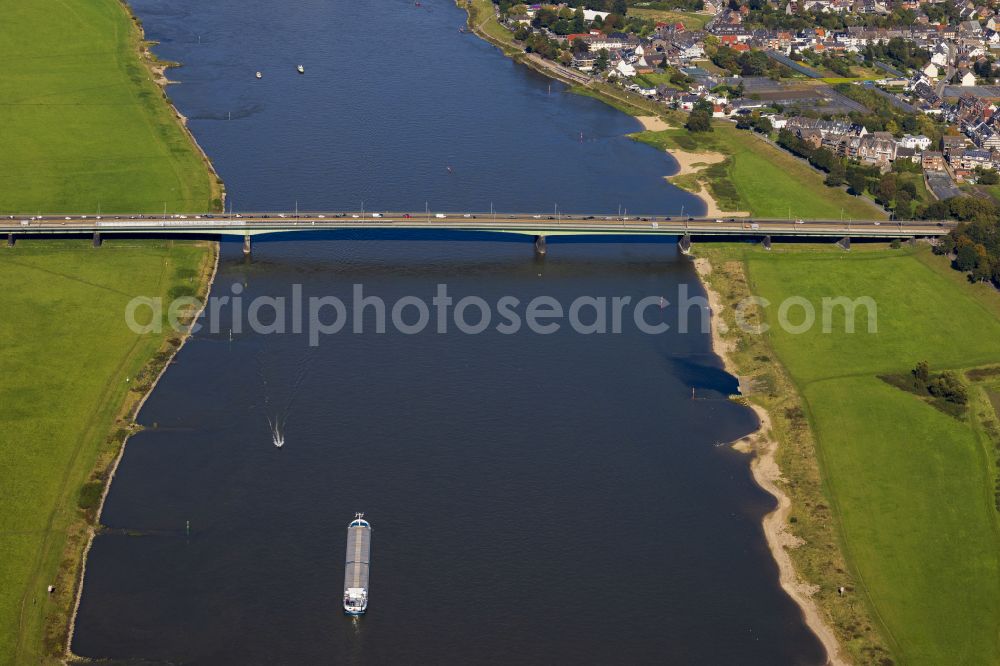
[[763, 15], [974, 244], [747, 63], [898, 51], [537, 42], [760, 124], [892, 190], [680, 5], [619, 7], [567, 21], [839, 65]]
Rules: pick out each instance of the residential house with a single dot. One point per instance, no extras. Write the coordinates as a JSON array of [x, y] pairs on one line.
[[919, 142], [931, 160]]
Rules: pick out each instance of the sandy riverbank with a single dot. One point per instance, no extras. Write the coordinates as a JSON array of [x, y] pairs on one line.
[[766, 472], [653, 123], [692, 163]]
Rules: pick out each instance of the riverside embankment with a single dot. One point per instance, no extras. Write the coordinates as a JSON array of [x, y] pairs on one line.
[[91, 134]]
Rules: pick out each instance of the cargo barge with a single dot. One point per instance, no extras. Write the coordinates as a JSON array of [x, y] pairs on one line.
[[359, 544]]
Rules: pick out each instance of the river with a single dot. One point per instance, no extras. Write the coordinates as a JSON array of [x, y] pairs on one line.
[[535, 498]]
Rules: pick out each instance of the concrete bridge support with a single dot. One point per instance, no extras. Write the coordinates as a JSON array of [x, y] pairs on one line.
[[766, 242], [97, 239], [246, 245], [685, 244], [10, 240], [844, 243], [540, 248]]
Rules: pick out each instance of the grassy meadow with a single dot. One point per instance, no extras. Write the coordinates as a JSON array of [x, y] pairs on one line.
[[83, 124], [759, 178], [692, 20], [67, 354], [911, 488]]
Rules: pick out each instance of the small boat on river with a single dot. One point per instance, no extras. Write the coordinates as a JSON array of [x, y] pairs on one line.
[[300, 69]]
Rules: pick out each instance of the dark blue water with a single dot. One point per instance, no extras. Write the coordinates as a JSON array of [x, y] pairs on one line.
[[392, 96], [535, 498]]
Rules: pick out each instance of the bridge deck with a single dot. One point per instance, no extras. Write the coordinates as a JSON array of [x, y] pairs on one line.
[[529, 225]]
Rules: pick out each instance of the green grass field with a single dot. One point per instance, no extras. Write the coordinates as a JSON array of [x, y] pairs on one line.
[[760, 178], [691, 20], [912, 487], [83, 125], [67, 353]]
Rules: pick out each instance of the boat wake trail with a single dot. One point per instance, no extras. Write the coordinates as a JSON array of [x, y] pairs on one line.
[[278, 400]]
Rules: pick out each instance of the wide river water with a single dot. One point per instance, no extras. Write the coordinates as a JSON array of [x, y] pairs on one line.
[[555, 498]]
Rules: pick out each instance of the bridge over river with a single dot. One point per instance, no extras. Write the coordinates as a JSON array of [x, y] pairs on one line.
[[538, 227]]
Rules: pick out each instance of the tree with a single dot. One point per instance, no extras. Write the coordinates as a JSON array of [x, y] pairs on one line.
[[922, 372], [983, 271], [763, 125], [753, 63], [887, 188], [966, 258], [987, 176], [601, 62], [837, 174], [699, 120], [904, 205], [823, 159], [857, 181]]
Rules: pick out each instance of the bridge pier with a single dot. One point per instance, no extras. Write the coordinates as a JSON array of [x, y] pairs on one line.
[[97, 239], [844, 243], [766, 242], [246, 245], [10, 240], [540, 248], [685, 244]]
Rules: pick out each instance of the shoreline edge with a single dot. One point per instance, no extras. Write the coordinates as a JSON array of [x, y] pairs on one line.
[[762, 445]]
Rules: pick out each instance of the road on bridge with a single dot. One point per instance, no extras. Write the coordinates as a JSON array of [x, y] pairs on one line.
[[253, 224]]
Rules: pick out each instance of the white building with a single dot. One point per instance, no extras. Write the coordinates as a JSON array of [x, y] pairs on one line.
[[917, 142], [625, 69]]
